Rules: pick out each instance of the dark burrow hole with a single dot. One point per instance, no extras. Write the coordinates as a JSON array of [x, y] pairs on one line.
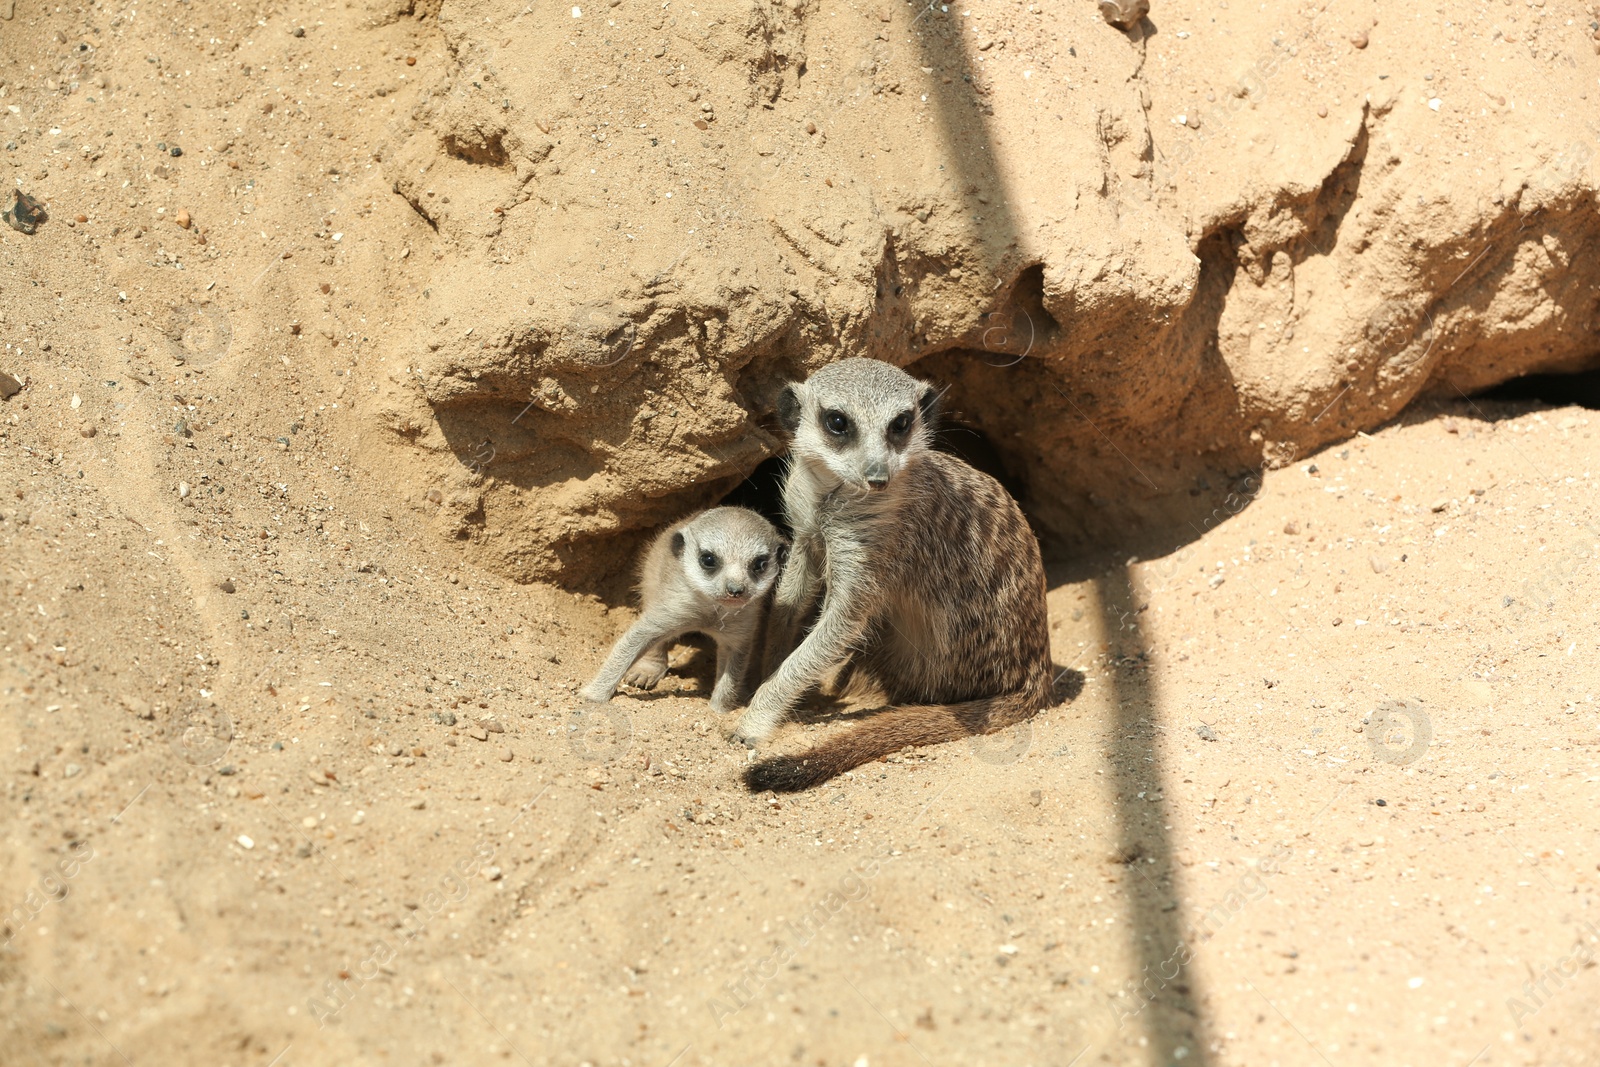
[[1558, 390], [763, 490]]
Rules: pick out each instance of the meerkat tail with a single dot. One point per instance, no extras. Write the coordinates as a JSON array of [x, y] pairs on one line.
[[889, 732]]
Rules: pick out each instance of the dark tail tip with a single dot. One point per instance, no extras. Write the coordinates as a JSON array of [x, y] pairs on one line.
[[785, 774]]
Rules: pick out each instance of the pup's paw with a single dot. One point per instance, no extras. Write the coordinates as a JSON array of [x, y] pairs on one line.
[[645, 674]]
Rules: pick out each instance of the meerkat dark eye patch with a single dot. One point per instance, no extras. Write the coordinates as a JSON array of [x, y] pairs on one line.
[[928, 402], [901, 425], [709, 561], [836, 423], [789, 409]]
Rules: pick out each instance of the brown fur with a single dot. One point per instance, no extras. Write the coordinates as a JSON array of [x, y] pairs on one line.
[[950, 591]]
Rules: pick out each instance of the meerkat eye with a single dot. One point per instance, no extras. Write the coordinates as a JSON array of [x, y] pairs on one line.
[[758, 565], [836, 422], [708, 560], [901, 424]]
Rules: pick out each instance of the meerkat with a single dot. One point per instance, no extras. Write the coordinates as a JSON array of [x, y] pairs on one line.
[[710, 573], [929, 576]]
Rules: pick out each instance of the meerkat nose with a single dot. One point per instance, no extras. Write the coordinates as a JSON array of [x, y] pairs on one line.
[[877, 481], [735, 590]]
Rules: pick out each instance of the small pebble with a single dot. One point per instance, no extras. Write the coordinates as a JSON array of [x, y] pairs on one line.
[[26, 214], [1359, 38], [183, 490], [1206, 733], [299, 31], [245, 842], [175, 151], [227, 586], [326, 288], [9, 386], [1378, 565], [83, 218], [72, 770], [411, 61], [811, 127], [309, 822], [1322, 111], [182, 218], [479, 733], [1291, 527], [505, 755]]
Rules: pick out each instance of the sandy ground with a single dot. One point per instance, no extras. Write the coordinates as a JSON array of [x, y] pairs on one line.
[[287, 780], [1331, 787]]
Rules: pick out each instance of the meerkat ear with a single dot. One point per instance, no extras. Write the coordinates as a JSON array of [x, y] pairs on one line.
[[677, 545], [928, 401], [783, 553], [789, 409]]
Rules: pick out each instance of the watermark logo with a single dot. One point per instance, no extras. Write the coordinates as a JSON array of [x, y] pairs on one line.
[[1399, 732], [601, 333], [200, 335], [1009, 332], [51, 887], [200, 733], [599, 733], [1542, 988], [1005, 747]]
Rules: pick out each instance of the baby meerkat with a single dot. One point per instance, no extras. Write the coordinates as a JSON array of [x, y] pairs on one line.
[[710, 574], [930, 578]]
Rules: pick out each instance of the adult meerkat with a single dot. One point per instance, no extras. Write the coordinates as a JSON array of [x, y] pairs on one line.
[[709, 574], [930, 578]]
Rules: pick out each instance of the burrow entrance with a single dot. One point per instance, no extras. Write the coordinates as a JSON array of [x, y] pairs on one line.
[[1557, 390]]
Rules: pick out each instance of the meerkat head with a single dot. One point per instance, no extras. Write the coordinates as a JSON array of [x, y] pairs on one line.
[[858, 422], [730, 555]]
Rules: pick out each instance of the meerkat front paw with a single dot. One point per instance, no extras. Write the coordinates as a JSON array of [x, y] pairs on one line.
[[737, 736], [595, 693], [757, 723], [646, 674]]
